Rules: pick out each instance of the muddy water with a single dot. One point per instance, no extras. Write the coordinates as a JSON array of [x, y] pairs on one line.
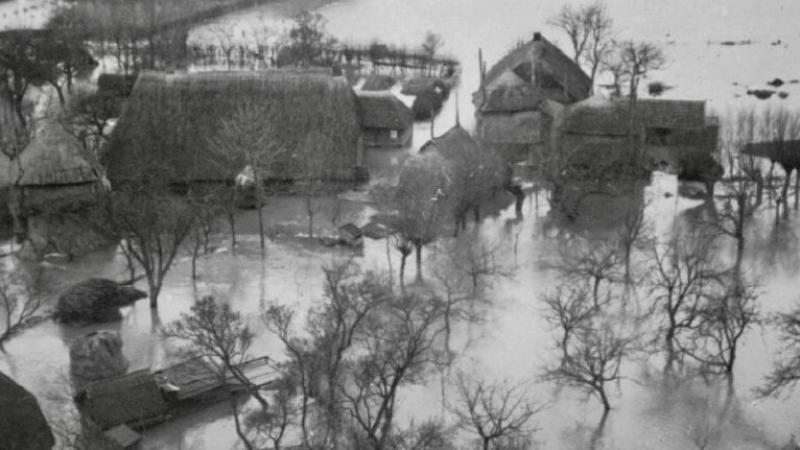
[[514, 342]]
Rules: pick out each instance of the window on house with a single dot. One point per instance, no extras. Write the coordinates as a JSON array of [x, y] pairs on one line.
[[393, 134]]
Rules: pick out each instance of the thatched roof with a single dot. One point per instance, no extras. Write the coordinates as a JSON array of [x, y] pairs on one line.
[[118, 85], [383, 111], [598, 116], [53, 158], [133, 399], [553, 71], [510, 99], [469, 172], [22, 424], [787, 153], [172, 124], [378, 82]]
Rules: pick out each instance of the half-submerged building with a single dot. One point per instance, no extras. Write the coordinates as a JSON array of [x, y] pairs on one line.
[[522, 96]]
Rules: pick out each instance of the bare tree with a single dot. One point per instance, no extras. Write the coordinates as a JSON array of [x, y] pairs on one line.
[[20, 305], [216, 331], [589, 29], [319, 362], [247, 134], [785, 372], [635, 232], [494, 410], [574, 22], [594, 263], [724, 318], [685, 273], [399, 346], [569, 309], [430, 46], [639, 59], [151, 226]]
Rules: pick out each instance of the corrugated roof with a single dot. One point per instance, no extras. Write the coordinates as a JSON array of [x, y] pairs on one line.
[[132, 399], [383, 111]]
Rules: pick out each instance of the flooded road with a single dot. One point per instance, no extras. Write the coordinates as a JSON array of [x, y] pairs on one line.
[[514, 341]]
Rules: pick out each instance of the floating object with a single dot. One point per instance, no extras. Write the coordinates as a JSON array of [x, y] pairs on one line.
[[783, 94], [778, 42], [777, 82], [761, 94]]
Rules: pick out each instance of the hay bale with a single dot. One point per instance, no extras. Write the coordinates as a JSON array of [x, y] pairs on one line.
[[95, 300], [96, 356]]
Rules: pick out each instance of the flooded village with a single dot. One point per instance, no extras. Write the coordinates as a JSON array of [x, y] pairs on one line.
[[384, 224]]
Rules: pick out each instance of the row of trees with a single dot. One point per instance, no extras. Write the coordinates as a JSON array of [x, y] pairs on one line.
[[344, 369], [594, 44]]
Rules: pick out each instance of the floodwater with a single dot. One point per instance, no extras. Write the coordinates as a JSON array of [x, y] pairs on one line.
[[514, 342]]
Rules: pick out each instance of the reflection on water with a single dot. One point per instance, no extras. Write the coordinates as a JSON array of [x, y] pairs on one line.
[[511, 341]]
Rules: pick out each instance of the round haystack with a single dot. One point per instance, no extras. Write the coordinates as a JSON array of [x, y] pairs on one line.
[[95, 357], [95, 300]]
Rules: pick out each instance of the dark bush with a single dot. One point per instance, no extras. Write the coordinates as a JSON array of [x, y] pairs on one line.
[[426, 105]]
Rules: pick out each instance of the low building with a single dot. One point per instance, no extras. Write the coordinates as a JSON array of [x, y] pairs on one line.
[[351, 235], [133, 399], [668, 132], [521, 96], [386, 122]]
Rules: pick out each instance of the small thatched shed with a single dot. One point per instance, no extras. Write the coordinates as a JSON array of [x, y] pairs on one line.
[[172, 124], [53, 158], [386, 122], [133, 399]]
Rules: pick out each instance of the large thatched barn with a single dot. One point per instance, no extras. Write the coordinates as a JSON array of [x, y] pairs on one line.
[[175, 128], [522, 95]]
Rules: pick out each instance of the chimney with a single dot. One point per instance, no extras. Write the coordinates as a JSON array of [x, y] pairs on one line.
[[537, 36]]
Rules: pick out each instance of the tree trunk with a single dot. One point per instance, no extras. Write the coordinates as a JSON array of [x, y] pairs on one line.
[[310, 212], [604, 398], [239, 432], [419, 261], [153, 287], [403, 257], [785, 191]]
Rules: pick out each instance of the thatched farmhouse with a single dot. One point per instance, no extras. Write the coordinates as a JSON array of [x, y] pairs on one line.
[[668, 133], [521, 97], [386, 122], [177, 129]]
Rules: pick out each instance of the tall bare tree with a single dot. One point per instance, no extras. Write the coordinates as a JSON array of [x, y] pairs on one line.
[[151, 226], [214, 330], [20, 305], [248, 136], [685, 274], [589, 29], [494, 410]]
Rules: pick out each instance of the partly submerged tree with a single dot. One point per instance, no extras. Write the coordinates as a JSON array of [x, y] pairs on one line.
[[20, 305], [785, 372], [494, 410], [151, 226], [248, 135], [220, 334]]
